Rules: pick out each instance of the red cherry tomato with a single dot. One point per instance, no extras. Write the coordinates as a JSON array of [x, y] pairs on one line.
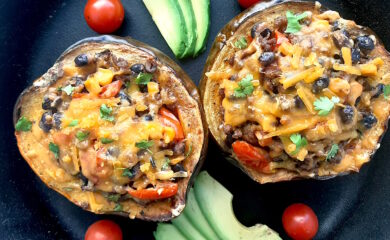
[[247, 3], [300, 222], [104, 16], [104, 230]]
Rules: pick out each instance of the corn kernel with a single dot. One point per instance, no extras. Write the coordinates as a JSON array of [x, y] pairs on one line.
[[169, 134], [92, 86], [104, 76], [145, 167], [153, 88], [368, 69]]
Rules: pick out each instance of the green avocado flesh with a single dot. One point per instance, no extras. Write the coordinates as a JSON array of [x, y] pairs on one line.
[[169, 18], [202, 16], [189, 17], [167, 231], [209, 215]]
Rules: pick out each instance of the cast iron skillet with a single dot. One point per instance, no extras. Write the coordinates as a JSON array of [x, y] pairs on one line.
[[35, 33]]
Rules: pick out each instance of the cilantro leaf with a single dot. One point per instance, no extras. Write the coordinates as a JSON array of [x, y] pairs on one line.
[[386, 91], [332, 152], [143, 78], [144, 144], [245, 87], [73, 123], [127, 84], [23, 124], [299, 142], [106, 140], [105, 113], [293, 25], [325, 105], [54, 149], [68, 90], [113, 197], [81, 136], [118, 207], [127, 173], [241, 43]]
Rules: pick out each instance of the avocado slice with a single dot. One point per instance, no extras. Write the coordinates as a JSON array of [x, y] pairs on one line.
[[215, 202], [166, 231], [195, 216], [202, 16], [190, 22], [169, 18], [187, 229]]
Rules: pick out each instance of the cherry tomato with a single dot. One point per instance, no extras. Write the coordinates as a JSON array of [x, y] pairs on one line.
[[104, 230], [111, 90], [104, 16], [247, 3], [300, 222], [169, 119], [254, 157], [163, 190]]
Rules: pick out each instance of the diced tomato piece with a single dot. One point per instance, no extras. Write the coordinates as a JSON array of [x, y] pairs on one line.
[[280, 38], [169, 119], [111, 90], [161, 191], [254, 157]]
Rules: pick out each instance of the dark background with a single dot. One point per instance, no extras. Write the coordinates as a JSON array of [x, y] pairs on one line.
[[34, 33]]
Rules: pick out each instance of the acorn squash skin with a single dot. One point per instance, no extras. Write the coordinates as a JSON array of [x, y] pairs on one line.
[[265, 12], [160, 210]]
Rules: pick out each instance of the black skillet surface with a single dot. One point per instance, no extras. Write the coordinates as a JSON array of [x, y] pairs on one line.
[[35, 33]]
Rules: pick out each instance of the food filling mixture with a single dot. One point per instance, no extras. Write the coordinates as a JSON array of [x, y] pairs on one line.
[[301, 92], [109, 126]]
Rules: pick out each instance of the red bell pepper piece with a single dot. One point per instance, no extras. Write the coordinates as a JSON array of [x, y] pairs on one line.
[[254, 157], [280, 38], [169, 119], [111, 90]]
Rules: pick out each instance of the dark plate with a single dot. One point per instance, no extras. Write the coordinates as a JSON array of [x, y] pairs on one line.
[[35, 33]]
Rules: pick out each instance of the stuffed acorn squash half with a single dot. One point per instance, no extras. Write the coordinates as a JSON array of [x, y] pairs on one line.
[[292, 90], [114, 126]]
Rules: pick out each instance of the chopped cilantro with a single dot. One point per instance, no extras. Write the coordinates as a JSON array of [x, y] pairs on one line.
[[144, 144], [332, 152], [23, 124], [299, 142], [293, 25], [127, 173], [59, 89], [118, 207], [81, 136], [68, 189], [54, 149], [241, 43], [68, 90], [105, 113], [73, 123], [325, 105], [245, 87], [188, 153], [386, 91], [113, 197], [143, 78], [106, 140], [127, 84]]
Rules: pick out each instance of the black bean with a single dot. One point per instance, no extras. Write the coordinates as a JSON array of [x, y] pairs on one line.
[[143, 88], [148, 117], [151, 160], [81, 60], [319, 84], [178, 168], [82, 178], [113, 151], [46, 122], [77, 81], [123, 96], [135, 170], [142, 152], [46, 104], [137, 68], [335, 26], [365, 43], [56, 102], [254, 30], [346, 114], [369, 120], [378, 90], [355, 54], [229, 139], [298, 102], [57, 120], [266, 33], [267, 58], [358, 101]]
